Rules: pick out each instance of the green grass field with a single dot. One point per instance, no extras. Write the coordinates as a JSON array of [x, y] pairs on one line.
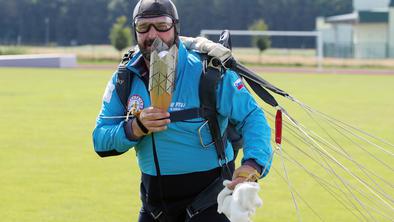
[[49, 171]]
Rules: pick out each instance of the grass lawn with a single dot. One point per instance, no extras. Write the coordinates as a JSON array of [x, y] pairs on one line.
[[49, 171]]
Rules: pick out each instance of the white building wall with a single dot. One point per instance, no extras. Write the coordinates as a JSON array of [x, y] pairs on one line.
[[337, 39], [369, 4], [343, 33], [391, 32], [370, 40], [328, 35]]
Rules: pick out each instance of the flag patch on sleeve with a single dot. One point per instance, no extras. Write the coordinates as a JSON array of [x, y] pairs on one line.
[[239, 84]]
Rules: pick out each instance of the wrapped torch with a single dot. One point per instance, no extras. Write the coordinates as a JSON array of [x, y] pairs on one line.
[[162, 74]]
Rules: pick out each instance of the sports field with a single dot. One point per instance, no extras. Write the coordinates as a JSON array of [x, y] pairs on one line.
[[49, 171]]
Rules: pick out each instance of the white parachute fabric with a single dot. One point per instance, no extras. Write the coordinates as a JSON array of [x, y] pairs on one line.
[[205, 45], [239, 204]]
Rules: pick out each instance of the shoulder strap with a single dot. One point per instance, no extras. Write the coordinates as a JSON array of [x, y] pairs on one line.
[[211, 75], [208, 85], [124, 80], [123, 85]]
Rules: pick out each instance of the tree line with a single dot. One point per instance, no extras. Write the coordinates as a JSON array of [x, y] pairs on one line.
[[76, 22]]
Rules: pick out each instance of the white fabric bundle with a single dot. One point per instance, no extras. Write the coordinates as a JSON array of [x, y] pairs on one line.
[[205, 45], [239, 205]]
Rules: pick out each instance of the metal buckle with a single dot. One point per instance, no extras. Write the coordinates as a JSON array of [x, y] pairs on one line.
[[155, 217], [132, 113], [200, 136], [129, 115], [218, 65], [191, 214], [220, 161]]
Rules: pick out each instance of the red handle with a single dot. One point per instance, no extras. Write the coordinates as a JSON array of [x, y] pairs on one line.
[[278, 127]]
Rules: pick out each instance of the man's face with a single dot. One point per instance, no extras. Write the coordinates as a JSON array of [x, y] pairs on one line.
[[148, 29]]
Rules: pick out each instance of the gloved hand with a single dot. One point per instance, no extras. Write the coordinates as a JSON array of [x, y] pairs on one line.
[[242, 174], [239, 205], [205, 45]]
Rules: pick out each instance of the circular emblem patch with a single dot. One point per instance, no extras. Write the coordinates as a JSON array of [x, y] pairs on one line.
[[135, 104]]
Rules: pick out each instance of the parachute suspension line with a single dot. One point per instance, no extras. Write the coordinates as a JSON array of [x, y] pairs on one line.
[[291, 188], [348, 156], [321, 147], [248, 74], [366, 172], [323, 142], [332, 173], [346, 127], [317, 178], [325, 185], [314, 140], [359, 130], [278, 141], [334, 160], [333, 125], [269, 160], [346, 124], [330, 170], [299, 196], [376, 186], [347, 187], [340, 150]]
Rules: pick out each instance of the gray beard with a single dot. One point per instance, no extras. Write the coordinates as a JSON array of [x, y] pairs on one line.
[[145, 53]]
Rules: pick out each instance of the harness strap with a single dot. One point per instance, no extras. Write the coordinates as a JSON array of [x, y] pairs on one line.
[[187, 114], [262, 93], [207, 92], [123, 83], [206, 198], [192, 113], [156, 212]]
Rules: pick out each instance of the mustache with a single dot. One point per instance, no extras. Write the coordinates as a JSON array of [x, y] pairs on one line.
[[148, 42]]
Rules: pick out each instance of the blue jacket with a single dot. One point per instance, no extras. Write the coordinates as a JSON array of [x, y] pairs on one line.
[[179, 147]]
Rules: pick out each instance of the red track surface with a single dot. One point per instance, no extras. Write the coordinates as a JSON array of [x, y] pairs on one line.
[[324, 71]]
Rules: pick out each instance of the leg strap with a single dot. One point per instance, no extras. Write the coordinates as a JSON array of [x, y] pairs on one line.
[[206, 198], [156, 212]]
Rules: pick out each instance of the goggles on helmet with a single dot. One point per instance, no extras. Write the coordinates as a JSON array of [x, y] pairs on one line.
[[161, 24]]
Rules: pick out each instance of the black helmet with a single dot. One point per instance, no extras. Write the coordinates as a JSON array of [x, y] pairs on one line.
[[155, 8]]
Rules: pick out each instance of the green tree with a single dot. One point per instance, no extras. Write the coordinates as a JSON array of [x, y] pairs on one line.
[[23, 21], [261, 42], [120, 35]]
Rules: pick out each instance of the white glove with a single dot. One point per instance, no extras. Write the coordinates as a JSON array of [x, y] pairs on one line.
[[205, 45], [239, 205]]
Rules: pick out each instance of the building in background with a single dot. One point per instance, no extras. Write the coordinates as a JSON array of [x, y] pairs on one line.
[[368, 32]]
